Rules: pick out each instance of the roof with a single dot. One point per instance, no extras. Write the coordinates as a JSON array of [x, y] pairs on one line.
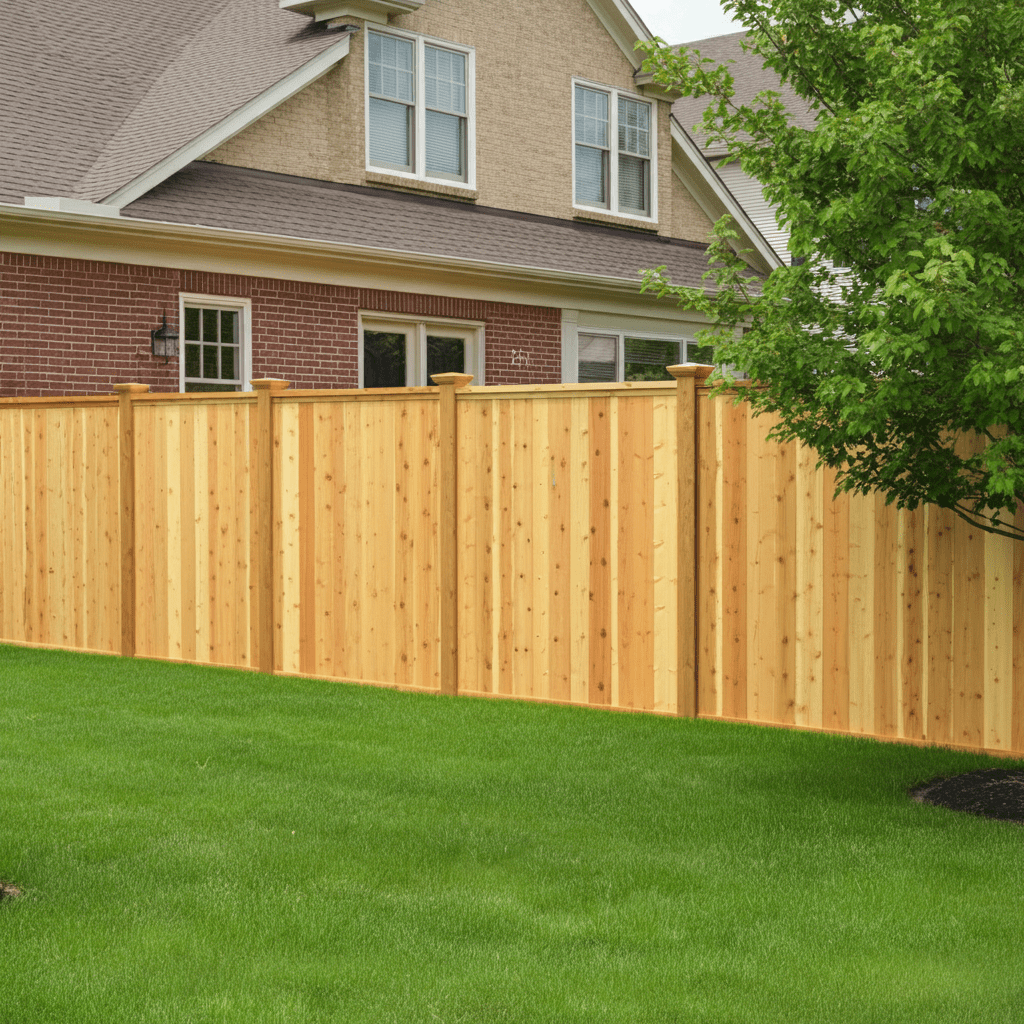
[[101, 91], [750, 77], [220, 196]]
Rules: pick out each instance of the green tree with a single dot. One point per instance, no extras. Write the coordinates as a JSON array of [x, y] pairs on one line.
[[894, 346]]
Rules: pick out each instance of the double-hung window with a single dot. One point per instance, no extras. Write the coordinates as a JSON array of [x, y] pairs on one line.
[[610, 356], [215, 352], [402, 351], [419, 107], [613, 152]]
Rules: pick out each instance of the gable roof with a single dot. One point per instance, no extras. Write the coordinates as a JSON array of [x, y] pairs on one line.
[[750, 77], [114, 90]]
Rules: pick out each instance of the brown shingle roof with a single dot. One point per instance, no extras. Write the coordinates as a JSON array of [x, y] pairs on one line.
[[101, 90], [750, 77], [216, 195]]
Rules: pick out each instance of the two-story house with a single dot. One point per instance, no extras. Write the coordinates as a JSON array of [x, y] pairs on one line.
[[341, 193]]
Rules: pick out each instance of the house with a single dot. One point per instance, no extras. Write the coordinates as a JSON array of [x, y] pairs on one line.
[[341, 193], [750, 77]]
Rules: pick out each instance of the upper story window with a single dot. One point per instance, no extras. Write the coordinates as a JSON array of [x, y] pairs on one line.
[[613, 152], [419, 107]]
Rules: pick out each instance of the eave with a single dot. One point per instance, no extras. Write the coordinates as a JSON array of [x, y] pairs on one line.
[[254, 254]]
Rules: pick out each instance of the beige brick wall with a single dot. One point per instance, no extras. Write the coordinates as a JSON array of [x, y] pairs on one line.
[[527, 54]]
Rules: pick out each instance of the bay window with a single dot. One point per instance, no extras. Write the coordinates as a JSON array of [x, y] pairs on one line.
[[419, 107], [613, 152]]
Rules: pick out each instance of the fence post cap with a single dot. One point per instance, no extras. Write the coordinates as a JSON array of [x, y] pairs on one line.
[[270, 384], [698, 370], [460, 380], [131, 389]]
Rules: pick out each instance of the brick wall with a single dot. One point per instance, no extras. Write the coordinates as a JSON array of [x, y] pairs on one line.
[[77, 327]]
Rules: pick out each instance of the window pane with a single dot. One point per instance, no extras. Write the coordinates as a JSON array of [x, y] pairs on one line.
[[210, 326], [192, 352], [633, 184], [210, 359], [634, 127], [646, 359], [391, 70], [191, 324], [383, 359], [591, 176], [445, 76], [597, 358], [703, 354], [390, 134], [446, 145], [445, 355], [229, 326], [591, 117], [228, 361]]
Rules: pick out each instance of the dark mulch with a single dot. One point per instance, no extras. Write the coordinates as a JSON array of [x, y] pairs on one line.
[[991, 792]]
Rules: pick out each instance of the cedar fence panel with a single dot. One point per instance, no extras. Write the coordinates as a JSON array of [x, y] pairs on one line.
[[850, 615], [624, 546]]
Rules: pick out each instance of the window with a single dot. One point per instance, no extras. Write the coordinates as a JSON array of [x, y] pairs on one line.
[[617, 357], [613, 150], [406, 352], [215, 348], [419, 118]]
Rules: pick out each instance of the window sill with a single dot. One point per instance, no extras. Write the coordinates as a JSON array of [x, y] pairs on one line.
[[649, 227], [421, 187]]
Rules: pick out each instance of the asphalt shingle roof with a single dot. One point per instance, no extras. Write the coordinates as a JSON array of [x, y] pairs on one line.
[[750, 77], [99, 91], [216, 195]]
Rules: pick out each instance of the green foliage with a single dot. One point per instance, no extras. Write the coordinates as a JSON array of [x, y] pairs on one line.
[[895, 348]]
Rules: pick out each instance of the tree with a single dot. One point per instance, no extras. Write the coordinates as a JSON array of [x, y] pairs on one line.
[[894, 346]]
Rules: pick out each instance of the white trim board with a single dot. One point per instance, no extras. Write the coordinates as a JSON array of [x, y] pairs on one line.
[[231, 125]]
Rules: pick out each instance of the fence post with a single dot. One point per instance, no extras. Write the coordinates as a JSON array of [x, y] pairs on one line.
[[264, 639], [126, 475], [688, 376], [449, 527]]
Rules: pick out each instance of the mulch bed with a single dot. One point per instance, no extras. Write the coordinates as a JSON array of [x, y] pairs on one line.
[[991, 793]]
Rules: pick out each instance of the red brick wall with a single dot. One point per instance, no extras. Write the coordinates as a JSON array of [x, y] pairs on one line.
[[75, 326]]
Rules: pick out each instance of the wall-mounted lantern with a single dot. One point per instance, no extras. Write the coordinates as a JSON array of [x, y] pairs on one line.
[[165, 341]]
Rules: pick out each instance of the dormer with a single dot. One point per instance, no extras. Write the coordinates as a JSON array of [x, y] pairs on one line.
[[378, 11]]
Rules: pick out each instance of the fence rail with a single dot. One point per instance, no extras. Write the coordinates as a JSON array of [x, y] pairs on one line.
[[629, 546]]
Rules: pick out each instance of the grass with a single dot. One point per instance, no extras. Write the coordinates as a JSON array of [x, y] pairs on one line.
[[209, 845]]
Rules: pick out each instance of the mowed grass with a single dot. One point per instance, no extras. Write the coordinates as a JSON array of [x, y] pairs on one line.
[[208, 845]]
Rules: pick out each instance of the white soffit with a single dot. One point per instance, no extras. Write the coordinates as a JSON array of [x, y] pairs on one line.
[[62, 204], [370, 10], [695, 159], [231, 125]]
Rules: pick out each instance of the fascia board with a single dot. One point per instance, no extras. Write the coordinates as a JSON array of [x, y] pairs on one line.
[[623, 24], [125, 230], [695, 160], [231, 125]]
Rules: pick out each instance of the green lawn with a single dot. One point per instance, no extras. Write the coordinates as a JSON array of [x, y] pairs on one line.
[[209, 845]]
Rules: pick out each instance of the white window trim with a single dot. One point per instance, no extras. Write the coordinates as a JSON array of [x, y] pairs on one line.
[[419, 147], [620, 348], [244, 308], [613, 161], [416, 342]]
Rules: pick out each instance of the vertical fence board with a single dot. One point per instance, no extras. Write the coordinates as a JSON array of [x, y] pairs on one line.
[[665, 554], [600, 626], [998, 646], [708, 556], [562, 469], [968, 635], [914, 659], [580, 554]]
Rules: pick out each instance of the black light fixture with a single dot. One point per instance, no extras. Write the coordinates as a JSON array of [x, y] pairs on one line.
[[165, 341]]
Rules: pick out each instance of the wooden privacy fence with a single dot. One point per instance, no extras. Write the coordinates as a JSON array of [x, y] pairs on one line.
[[629, 546]]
